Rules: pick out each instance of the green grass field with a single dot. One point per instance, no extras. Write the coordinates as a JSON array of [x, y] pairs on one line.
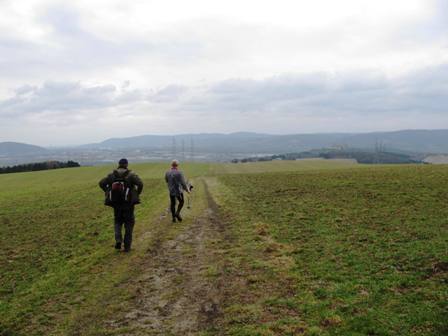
[[347, 252], [311, 247], [56, 257]]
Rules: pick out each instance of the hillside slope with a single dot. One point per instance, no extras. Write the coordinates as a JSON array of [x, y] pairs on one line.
[[426, 141], [17, 149]]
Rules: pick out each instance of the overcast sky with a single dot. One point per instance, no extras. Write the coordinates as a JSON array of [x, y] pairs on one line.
[[83, 71]]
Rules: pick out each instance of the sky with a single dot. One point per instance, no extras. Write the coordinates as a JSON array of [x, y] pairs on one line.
[[87, 70]]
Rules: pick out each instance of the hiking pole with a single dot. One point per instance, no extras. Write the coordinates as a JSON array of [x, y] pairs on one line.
[[189, 197]]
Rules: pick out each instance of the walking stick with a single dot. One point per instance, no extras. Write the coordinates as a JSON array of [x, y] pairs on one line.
[[189, 197]]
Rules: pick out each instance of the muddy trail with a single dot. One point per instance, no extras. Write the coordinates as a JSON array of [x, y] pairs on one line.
[[179, 293]]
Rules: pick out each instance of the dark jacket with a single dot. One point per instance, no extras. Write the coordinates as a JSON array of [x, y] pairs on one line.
[[175, 181], [134, 182]]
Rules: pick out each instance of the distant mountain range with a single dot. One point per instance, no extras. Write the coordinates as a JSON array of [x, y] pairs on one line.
[[211, 147], [17, 148], [421, 141]]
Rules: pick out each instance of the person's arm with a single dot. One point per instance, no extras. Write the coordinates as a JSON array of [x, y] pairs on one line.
[[138, 182], [104, 183], [183, 183]]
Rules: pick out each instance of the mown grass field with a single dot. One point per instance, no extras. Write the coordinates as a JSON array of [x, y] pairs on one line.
[[343, 252], [56, 253], [316, 248], [282, 166]]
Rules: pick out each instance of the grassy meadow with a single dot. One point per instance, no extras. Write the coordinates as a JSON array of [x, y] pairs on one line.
[[343, 252], [57, 257], [314, 248]]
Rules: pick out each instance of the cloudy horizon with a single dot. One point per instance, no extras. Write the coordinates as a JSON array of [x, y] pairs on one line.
[[82, 72]]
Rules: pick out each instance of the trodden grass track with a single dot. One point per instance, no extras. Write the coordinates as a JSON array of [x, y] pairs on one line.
[[279, 248]]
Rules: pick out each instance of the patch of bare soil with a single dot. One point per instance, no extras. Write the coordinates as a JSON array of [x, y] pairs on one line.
[[180, 291]]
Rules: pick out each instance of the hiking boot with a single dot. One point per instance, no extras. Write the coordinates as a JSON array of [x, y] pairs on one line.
[[174, 219], [179, 217], [127, 248], [118, 246]]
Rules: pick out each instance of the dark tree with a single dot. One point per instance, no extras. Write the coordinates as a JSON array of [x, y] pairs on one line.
[[38, 166]]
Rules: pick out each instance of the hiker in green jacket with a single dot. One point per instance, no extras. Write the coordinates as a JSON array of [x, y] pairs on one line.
[[122, 188]]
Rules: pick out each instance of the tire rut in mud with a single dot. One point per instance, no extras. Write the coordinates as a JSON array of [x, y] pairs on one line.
[[179, 292]]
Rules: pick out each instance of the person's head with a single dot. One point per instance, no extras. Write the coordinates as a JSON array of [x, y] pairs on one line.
[[123, 163], [174, 164]]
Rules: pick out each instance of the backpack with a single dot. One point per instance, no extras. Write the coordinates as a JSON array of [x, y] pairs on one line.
[[120, 191]]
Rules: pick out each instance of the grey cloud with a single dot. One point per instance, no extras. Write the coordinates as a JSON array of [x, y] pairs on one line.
[[64, 21], [441, 8], [81, 48], [413, 99], [169, 94], [363, 94], [77, 98], [71, 47], [23, 90], [425, 32], [258, 95], [62, 97]]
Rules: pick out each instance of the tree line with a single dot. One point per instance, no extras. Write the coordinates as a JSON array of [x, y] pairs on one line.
[[27, 167]]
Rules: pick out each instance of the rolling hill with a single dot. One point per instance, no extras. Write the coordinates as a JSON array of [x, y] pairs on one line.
[[19, 149], [423, 141]]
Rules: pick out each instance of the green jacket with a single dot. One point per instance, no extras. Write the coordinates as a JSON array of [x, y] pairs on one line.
[[134, 182]]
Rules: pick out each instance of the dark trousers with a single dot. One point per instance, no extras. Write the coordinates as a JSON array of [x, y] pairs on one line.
[[124, 216], [180, 199]]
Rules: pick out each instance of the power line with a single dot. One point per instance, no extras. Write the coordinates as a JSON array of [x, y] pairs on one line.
[[183, 150], [191, 149], [173, 149]]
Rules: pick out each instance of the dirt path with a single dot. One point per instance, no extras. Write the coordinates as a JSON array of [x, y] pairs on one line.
[[180, 292]]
